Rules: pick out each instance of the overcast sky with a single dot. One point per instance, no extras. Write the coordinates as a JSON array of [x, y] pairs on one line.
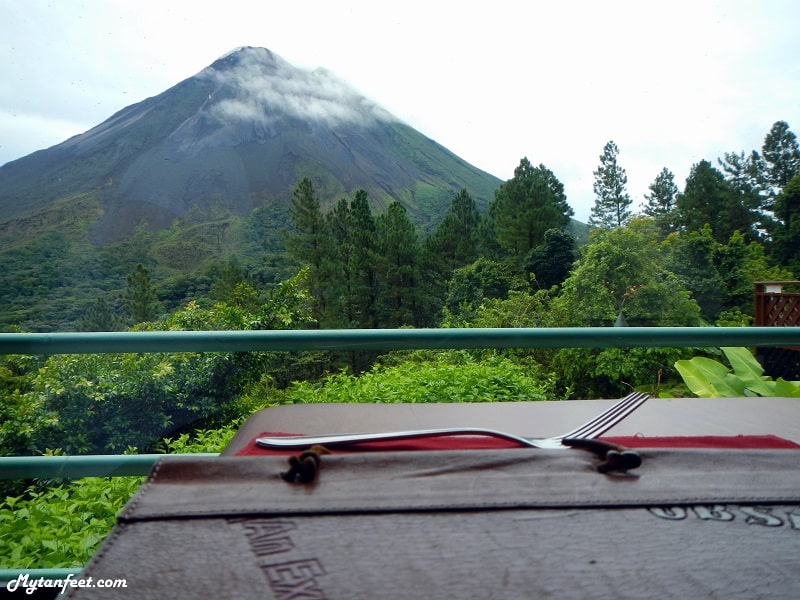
[[671, 83]]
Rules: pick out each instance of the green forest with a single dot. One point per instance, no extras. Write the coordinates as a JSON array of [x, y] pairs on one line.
[[689, 258]]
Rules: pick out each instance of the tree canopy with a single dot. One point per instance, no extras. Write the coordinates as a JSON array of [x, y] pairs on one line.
[[708, 199], [612, 203], [660, 202], [781, 154], [526, 206]]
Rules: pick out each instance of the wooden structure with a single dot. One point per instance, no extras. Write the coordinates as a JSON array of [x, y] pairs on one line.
[[777, 304]]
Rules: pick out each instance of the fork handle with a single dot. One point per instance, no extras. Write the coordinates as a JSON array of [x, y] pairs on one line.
[[346, 439]]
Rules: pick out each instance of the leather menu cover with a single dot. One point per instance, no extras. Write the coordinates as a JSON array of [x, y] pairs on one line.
[[461, 524]]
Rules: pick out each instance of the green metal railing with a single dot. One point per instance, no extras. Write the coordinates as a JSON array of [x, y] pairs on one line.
[[342, 339], [393, 339], [331, 340], [75, 467]]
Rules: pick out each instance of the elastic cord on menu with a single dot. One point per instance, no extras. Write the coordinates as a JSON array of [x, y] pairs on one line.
[[615, 457], [305, 467]]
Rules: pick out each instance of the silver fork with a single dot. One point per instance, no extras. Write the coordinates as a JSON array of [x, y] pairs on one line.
[[591, 429]]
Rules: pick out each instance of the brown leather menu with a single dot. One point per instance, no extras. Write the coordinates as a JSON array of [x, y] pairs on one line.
[[512, 523]]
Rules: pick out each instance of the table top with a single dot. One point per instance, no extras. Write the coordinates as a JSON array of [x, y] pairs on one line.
[[657, 417]]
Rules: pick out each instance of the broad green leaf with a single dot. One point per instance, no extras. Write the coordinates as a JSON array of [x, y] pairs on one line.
[[790, 389], [748, 370], [708, 379]]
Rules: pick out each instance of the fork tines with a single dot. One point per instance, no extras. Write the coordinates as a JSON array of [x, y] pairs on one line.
[[609, 417]]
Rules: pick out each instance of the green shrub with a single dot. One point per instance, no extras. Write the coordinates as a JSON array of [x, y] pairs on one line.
[[100, 403], [63, 525], [451, 376]]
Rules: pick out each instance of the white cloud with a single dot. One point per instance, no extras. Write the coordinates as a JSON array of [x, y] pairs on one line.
[[266, 84], [670, 82]]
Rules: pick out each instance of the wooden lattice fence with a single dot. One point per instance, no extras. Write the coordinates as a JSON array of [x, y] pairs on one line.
[[777, 303]]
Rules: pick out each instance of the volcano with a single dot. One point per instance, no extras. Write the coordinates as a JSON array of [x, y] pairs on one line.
[[238, 135]]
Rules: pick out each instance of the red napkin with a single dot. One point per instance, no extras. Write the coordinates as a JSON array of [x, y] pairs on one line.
[[491, 443], [763, 442]]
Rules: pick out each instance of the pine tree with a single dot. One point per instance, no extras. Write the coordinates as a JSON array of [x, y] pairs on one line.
[[363, 262], [526, 206], [342, 308], [355, 280], [100, 317], [787, 233], [399, 253], [782, 155], [745, 172], [139, 298], [454, 244], [612, 205], [708, 199], [747, 176], [310, 242], [660, 202]]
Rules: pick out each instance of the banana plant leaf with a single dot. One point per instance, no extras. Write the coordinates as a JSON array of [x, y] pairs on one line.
[[749, 371], [708, 378]]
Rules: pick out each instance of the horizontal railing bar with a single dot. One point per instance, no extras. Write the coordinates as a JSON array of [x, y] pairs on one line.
[[75, 467], [393, 339], [7, 575]]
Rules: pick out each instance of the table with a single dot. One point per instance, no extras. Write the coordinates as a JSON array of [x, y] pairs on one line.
[[657, 417], [510, 523]]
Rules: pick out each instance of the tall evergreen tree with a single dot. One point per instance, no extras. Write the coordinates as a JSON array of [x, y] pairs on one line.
[[399, 253], [355, 301], [100, 317], [363, 262], [660, 202], [526, 206], [612, 204], [709, 199], [787, 233], [454, 243], [781, 154], [746, 174], [342, 308], [310, 242], [140, 298]]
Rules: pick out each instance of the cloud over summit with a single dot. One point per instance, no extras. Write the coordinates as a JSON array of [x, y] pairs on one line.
[[257, 85]]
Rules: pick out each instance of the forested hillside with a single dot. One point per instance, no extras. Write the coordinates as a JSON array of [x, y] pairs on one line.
[[197, 180], [690, 258]]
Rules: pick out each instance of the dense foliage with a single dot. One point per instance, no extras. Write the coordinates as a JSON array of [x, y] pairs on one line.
[[61, 525], [454, 376], [101, 403], [690, 258]]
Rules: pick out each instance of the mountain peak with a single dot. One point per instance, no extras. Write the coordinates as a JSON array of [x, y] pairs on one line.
[[255, 84], [253, 54], [238, 134]]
